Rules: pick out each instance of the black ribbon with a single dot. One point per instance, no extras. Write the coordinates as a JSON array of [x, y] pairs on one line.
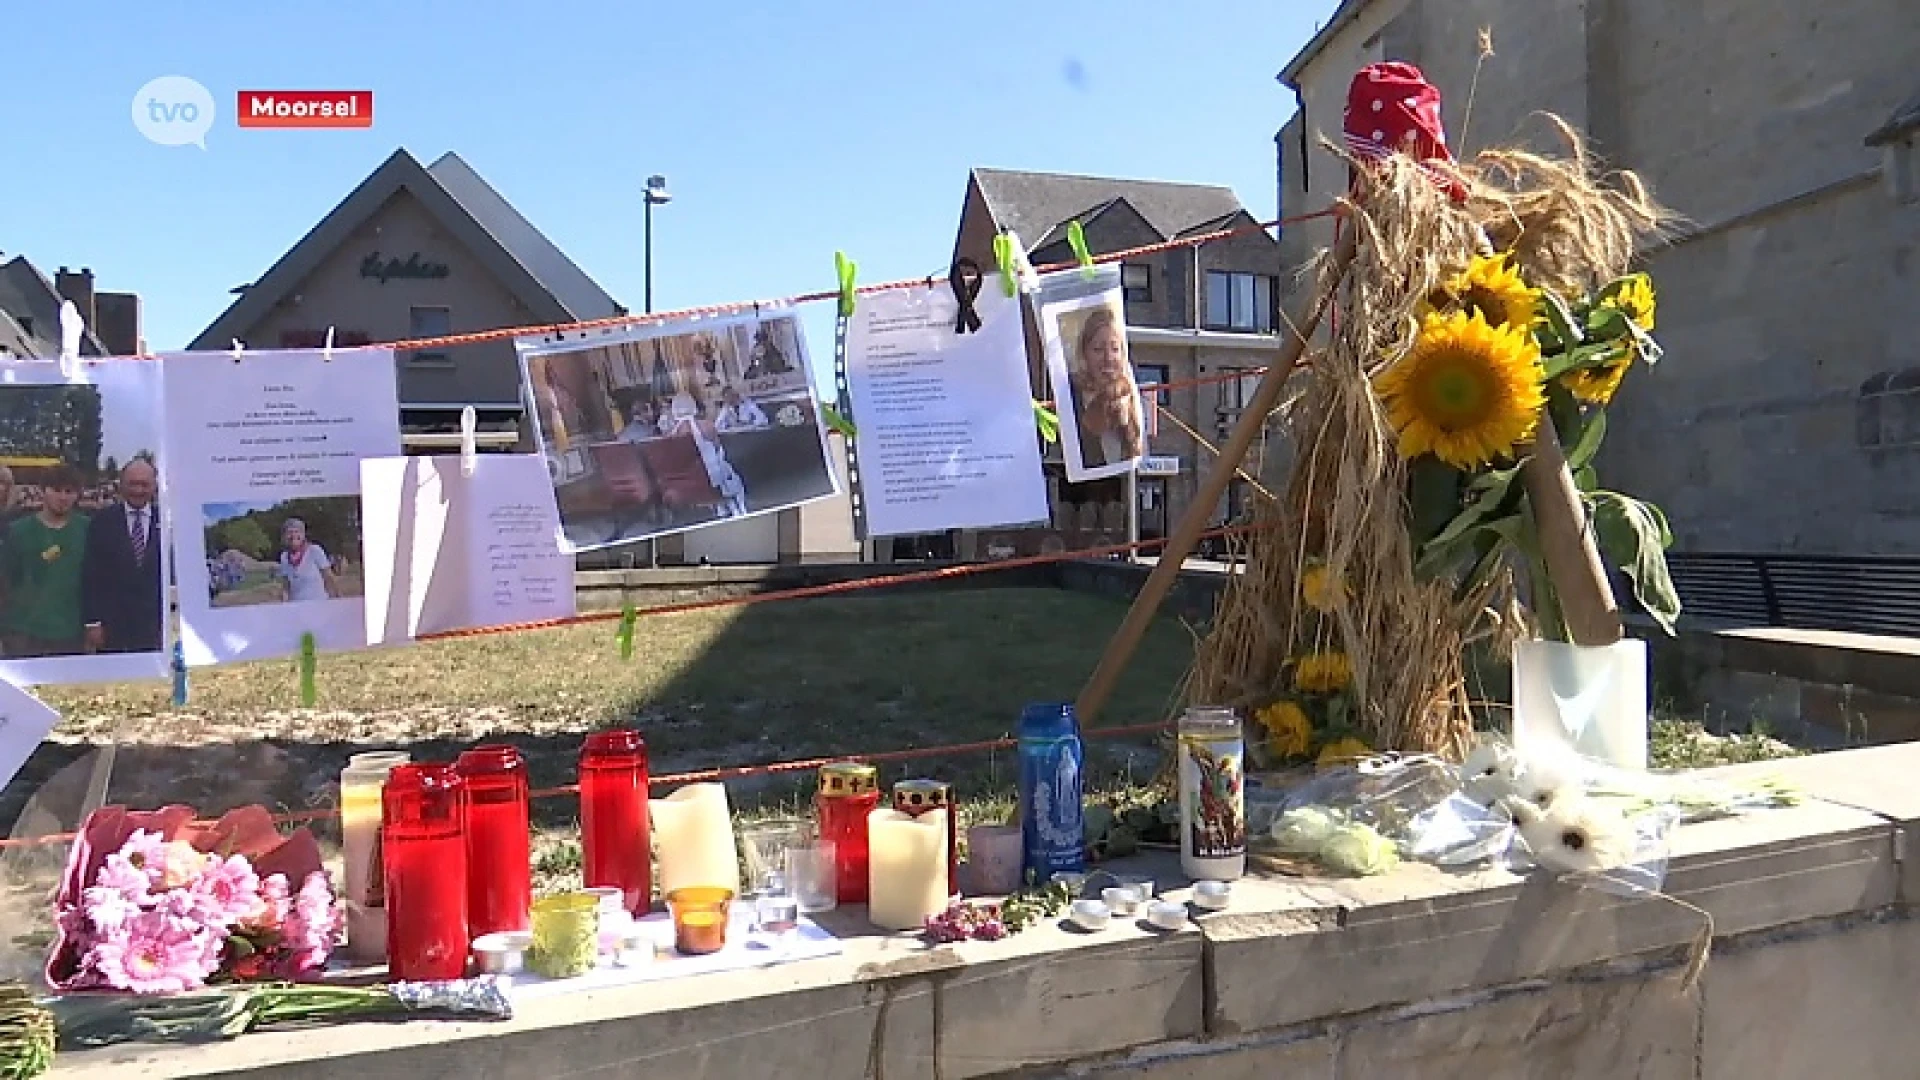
[[966, 280]]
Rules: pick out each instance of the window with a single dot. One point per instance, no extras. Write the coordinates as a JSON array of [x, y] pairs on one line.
[[429, 322], [1242, 302], [1235, 393], [1154, 375], [1136, 282]]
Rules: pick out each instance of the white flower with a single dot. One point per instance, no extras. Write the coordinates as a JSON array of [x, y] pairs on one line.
[[1359, 849], [1577, 835], [1487, 775], [1302, 831]]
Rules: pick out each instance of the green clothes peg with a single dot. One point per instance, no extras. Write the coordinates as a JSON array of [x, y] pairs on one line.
[[844, 268], [837, 420], [307, 663], [628, 617], [1047, 421], [1077, 240], [1003, 254]]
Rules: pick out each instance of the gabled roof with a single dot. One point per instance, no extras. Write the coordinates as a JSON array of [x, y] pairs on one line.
[[1034, 204], [473, 214], [1342, 15], [1904, 121], [26, 293]]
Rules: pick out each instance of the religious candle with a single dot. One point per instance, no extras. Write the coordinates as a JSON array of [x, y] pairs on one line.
[[615, 842], [849, 791], [365, 900], [906, 868], [424, 846], [694, 830], [499, 842], [916, 797]]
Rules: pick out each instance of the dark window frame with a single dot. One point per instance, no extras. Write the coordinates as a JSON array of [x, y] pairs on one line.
[[431, 358], [1246, 315], [1140, 292]]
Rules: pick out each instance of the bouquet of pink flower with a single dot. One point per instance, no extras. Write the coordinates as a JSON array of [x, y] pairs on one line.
[[158, 903]]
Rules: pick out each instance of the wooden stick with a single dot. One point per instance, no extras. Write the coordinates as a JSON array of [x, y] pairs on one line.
[[1213, 484], [1574, 566]]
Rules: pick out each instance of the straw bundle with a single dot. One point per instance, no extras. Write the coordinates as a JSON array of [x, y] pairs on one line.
[[1344, 512]]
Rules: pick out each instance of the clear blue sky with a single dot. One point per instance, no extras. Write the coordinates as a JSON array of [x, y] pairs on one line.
[[786, 130]]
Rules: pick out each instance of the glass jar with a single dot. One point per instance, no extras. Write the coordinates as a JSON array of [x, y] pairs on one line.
[[499, 840], [1051, 816], [615, 846], [1213, 808], [365, 899], [849, 791], [424, 852]]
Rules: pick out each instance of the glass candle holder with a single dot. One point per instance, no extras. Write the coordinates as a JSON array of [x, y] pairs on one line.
[[499, 841], [566, 936], [700, 919], [812, 873], [849, 791], [365, 896], [424, 854], [993, 859], [615, 846]]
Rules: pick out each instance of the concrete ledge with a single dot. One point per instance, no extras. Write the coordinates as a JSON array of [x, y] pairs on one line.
[[1418, 973]]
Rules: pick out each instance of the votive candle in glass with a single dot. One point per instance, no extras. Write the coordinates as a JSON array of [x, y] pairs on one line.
[[700, 917], [916, 797], [615, 846], [566, 936], [366, 892], [424, 849], [499, 840], [849, 791]]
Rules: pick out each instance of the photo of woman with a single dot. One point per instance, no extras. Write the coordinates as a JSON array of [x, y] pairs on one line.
[[1103, 432], [305, 571], [294, 551]]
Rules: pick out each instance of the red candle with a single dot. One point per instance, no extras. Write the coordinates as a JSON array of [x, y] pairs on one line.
[[499, 841], [848, 793], [424, 853], [916, 797], [615, 846]]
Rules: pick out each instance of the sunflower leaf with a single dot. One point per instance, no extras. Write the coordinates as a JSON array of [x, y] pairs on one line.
[[1585, 479], [1559, 323], [1491, 499], [1608, 323], [1434, 489], [1586, 442], [1634, 535], [1611, 290], [1593, 354]]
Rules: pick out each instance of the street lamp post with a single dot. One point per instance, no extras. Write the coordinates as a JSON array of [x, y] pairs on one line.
[[656, 195]]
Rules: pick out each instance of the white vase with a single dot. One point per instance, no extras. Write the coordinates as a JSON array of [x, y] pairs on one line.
[[1590, 700]]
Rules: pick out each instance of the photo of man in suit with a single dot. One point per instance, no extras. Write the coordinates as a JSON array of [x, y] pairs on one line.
[[121, 596]]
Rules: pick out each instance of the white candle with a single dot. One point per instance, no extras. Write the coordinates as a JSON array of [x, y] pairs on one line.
[[693, 833], [906, 868], [360, 786]]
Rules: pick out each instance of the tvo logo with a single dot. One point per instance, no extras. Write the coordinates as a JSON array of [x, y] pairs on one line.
[[174, 110]]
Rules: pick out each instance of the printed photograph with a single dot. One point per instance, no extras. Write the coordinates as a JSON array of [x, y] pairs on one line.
[[293, 551], [81, 538], [672, 427], [1102, 421]]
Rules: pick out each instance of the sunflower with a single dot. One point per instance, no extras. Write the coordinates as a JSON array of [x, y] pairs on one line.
[[1320, 588], [1494, 290], [1597, 385], [1635, 300], [1289, 732], [1466, 392], [1344, 749], [1322, 673]]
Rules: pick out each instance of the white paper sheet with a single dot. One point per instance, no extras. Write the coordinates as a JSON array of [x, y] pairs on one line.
[[272, 436], [944, 420], [446, 550], [1102, 421], [110, 415], [657, 429], [25, 721]]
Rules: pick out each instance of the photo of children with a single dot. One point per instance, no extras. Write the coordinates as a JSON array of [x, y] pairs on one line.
[[670, 427], [293, 551], [82, 543], [1102, 424]]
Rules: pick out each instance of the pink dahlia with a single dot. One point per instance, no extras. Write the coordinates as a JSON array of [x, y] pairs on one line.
[[152, 954], [228, 893]]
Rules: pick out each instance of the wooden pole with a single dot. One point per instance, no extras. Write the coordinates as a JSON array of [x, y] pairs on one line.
[[1567, 546], [1213, 484]]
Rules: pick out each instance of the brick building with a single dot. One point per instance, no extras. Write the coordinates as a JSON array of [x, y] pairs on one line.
[[1191, 311]]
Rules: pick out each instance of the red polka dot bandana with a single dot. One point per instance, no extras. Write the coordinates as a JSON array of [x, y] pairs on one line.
[[1392, 108]]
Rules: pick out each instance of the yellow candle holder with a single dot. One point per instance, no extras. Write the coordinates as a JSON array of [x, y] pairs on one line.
[[700, 919], [566, 936]]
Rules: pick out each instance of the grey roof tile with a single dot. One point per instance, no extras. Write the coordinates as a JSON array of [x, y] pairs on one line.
[[1035, 204]]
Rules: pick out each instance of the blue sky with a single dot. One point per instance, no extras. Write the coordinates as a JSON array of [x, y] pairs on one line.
[[786, 130]]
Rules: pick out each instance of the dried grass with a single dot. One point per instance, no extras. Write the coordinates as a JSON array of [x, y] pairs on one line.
[[1568, 228]]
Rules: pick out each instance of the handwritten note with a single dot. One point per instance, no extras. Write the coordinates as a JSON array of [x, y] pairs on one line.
[[446, 551], [25, 720]]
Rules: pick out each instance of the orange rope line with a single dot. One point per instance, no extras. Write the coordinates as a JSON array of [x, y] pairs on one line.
[[729, 772], [507, 332]]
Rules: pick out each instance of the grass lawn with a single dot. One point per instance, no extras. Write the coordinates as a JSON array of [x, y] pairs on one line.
[[740, 685]]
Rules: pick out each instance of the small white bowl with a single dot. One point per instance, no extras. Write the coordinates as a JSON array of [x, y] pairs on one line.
[[1090, 915], [1212, 895], [502, 953], [1122, 900], [1139, 883], [1166, 915]]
